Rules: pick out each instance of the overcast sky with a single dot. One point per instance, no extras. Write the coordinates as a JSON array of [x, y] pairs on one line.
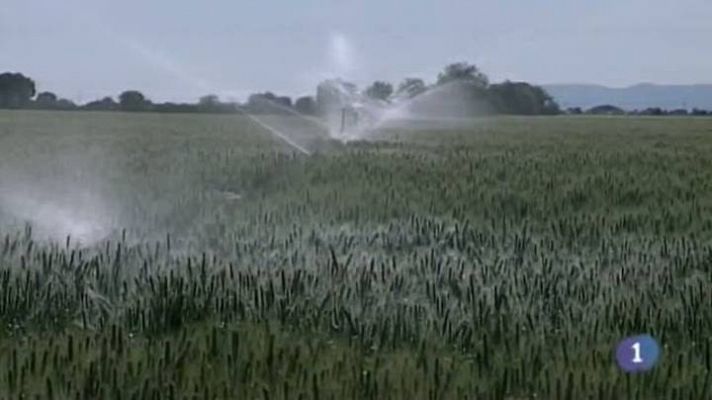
[[180, 49]]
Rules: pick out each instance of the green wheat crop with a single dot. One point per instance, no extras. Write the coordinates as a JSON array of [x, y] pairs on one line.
[[500, 261]]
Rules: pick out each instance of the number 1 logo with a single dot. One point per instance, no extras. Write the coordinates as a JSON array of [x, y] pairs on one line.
[[637, 353]]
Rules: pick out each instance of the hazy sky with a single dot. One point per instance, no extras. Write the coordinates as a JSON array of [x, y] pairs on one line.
[[180, 49]]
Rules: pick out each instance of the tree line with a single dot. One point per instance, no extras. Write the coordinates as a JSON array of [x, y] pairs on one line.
[[608, 109], [19, 92], [516, 98]]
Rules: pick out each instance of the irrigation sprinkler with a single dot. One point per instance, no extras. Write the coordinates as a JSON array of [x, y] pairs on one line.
[[343, 120], [349, 118]]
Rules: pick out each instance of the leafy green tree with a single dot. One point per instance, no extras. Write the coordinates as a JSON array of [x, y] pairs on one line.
[[269, 96], [46, 100], [16, 90], [105, 104], [176, 108], [521, 98], [411, 87], [209, 103], [305, 105], [284, 101], [268, 103], [210, 100], [463, 71], [66, 105], [379, 90], [605, 109], [133, 100], [653, 111]]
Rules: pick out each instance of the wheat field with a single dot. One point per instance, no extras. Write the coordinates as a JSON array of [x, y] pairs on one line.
[[147, 256]]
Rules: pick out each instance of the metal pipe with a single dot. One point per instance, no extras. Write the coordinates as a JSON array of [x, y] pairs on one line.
[[343, 119]]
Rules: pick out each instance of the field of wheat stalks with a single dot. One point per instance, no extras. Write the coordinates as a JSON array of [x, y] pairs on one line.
[[200, 258]]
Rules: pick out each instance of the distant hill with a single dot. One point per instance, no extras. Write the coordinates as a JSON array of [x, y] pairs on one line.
[[634, 97]]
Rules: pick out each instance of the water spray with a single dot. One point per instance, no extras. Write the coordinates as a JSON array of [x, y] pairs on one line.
[[285, 138]]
